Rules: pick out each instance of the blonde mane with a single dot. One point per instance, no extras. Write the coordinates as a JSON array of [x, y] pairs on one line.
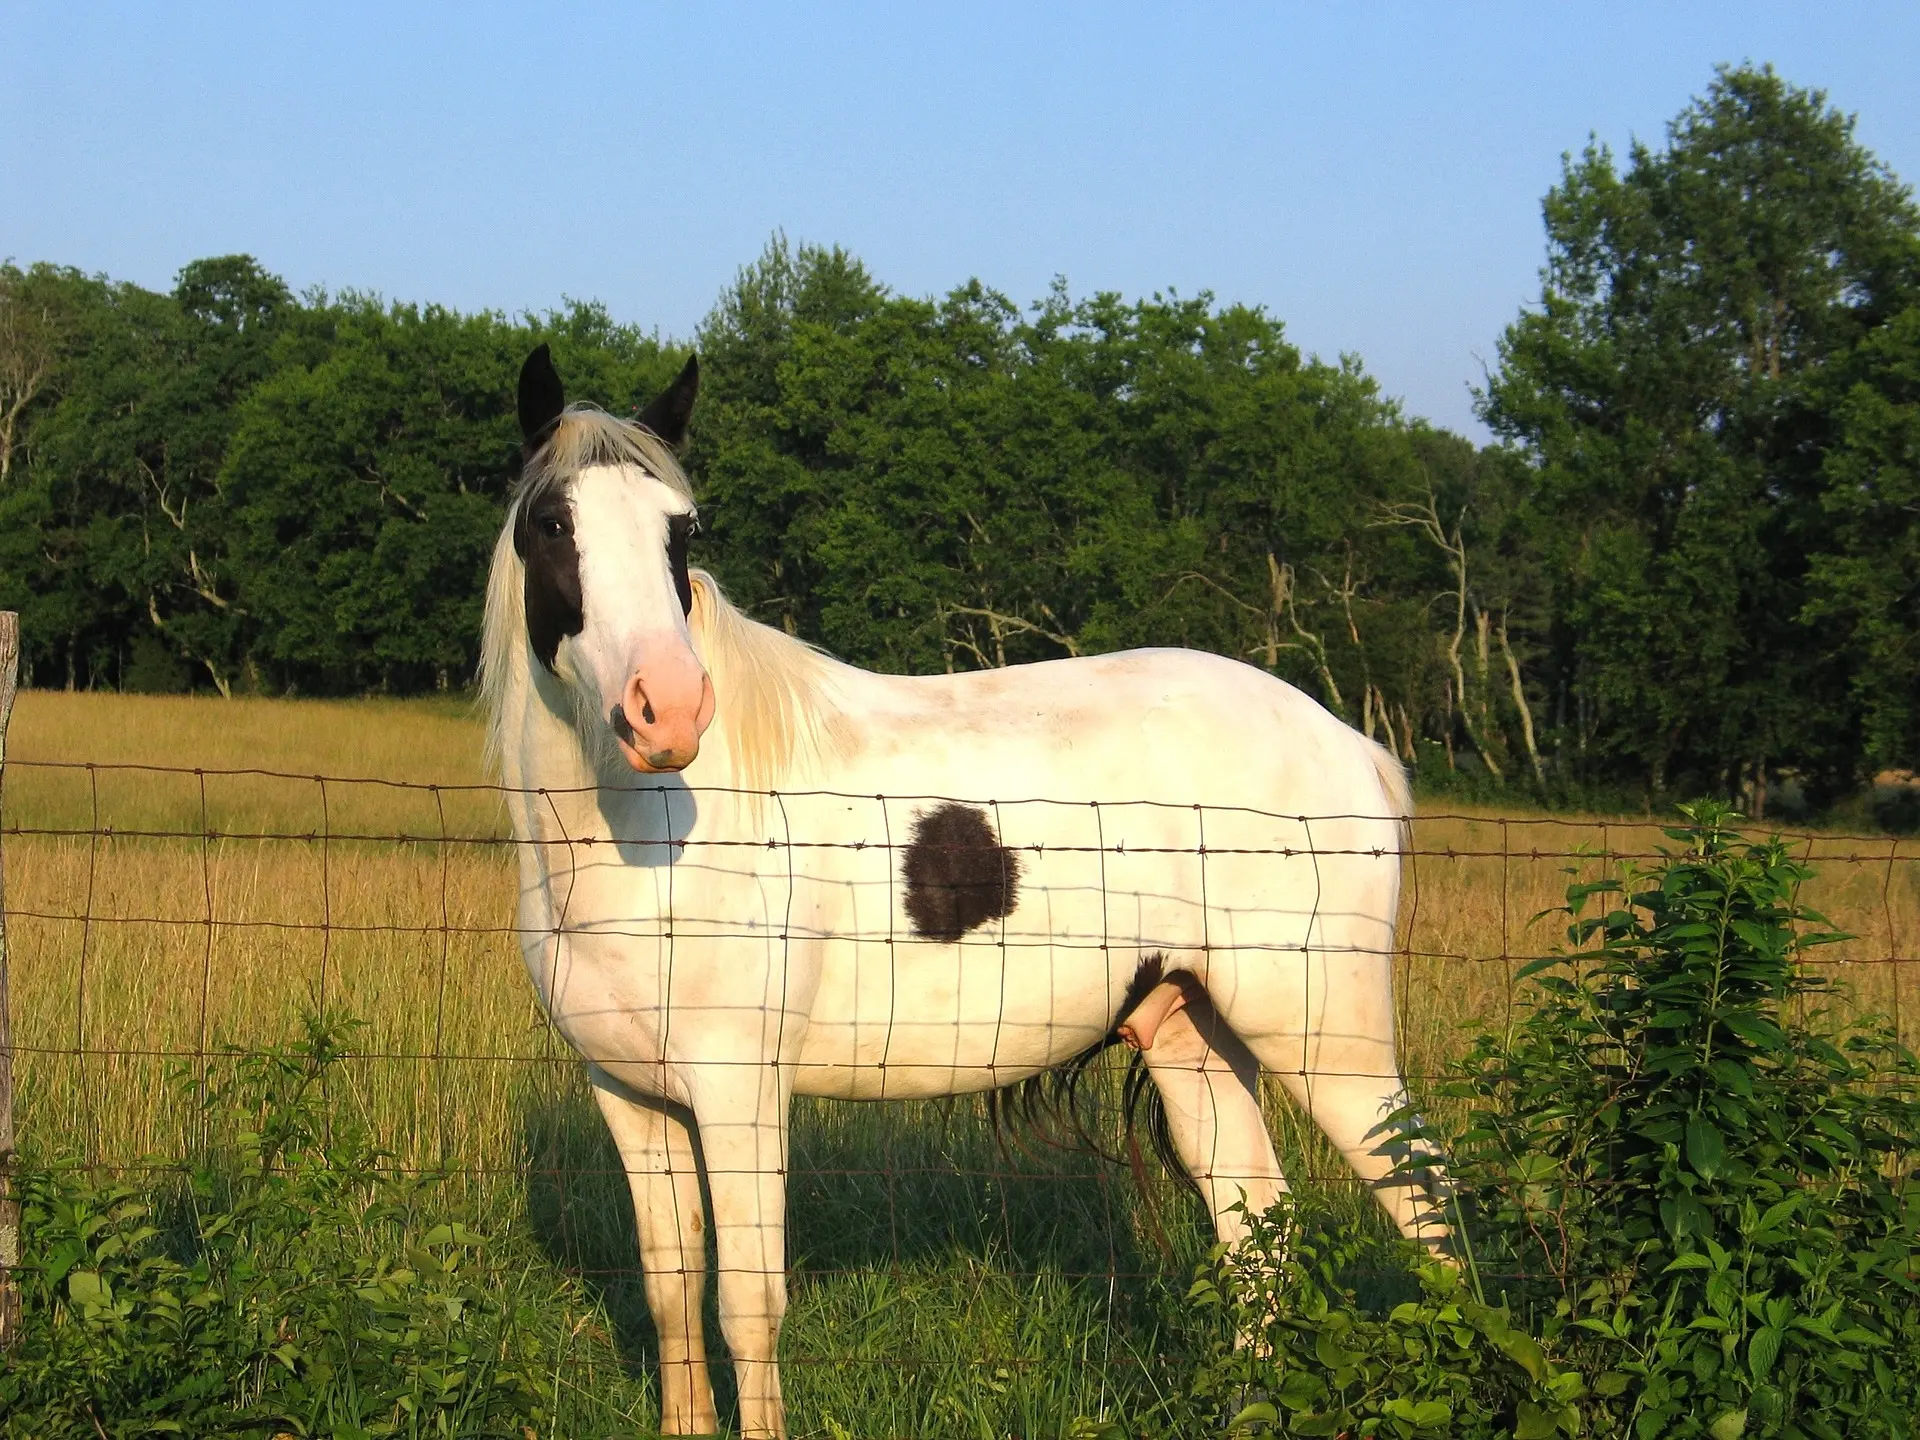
[[586, 436], [775, 710]]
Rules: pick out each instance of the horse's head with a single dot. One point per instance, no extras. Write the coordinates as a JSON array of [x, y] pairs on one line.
[[601, 526]]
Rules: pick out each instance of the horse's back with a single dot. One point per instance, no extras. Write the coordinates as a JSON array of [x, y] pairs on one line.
[[1169, 726]]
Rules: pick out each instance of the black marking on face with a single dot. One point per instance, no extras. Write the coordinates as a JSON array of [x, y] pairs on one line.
[[958, 874], [543, 536], [680, 529]]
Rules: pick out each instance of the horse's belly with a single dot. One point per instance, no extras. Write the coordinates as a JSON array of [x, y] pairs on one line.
[[957, 1018]]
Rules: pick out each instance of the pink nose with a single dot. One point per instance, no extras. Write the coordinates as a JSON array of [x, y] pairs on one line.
[[661, 717]]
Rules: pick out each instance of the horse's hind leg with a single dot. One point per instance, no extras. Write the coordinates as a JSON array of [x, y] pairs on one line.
[[1346, 1076], [1209, 1084], [657, 1152], [1352, 1110]]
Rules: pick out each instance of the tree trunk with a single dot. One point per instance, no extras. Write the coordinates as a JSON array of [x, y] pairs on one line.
[[1657, 773], [220, 682], [1282, 600], [1476, 735], [1520, 704]]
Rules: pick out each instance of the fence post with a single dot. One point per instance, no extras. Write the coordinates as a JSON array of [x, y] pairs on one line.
[[9, 1202]]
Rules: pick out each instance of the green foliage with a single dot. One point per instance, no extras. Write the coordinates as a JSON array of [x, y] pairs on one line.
[[925, 485], [288, 1284], [1676, 391], [1294, 1352], [365, 489], [1703, 1185], [1865, 584], [1692, 566], [280, 494], [1692, 1190]]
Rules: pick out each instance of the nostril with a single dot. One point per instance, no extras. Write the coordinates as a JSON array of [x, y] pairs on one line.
[[646, 712], [617, 718]]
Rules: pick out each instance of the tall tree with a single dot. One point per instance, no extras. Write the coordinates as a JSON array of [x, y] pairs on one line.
[[1865, 590], [762, 468], [29, 349], [1666, 389]]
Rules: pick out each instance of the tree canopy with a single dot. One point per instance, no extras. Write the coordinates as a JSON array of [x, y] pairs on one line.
[[1708, 397], [1689, 563]]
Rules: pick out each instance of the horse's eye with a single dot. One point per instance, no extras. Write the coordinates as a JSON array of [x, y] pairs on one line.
[[552, 528]]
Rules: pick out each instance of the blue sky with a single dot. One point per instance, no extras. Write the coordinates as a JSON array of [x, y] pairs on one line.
[[1372, 175]]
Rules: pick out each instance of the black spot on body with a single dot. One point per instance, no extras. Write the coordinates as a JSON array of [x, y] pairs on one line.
[[543, 536], [958, 874]]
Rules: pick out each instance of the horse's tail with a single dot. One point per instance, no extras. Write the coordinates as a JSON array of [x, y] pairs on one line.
[[1394, 787], [1053, 1108]]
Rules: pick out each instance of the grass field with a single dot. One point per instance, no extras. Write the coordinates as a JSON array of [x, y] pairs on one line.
[[940, 1287]]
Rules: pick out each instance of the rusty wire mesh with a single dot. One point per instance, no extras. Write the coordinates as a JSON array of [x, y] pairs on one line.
[[163, 920]]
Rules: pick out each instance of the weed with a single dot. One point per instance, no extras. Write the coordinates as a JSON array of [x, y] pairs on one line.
[[1689, 1182], [286, 1282]]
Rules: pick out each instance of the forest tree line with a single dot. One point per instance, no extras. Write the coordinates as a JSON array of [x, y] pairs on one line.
[[1689, 562]]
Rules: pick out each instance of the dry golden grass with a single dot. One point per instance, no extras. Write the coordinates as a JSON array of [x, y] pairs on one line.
[[1483, 890], [152, 919], [155, 917], [410, 743]]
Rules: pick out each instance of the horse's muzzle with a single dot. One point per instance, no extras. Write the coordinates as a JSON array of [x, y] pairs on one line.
[[661, 717]]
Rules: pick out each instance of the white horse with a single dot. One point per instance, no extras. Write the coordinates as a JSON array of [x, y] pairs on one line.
[[748, 871]]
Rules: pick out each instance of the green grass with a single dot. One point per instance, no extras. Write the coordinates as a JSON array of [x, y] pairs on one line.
[[940, 1286]]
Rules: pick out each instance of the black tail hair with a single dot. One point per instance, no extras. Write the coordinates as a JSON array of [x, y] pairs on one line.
[[1051, 1107]]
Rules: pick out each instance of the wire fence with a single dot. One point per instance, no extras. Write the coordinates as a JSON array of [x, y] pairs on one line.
[[164, 922]]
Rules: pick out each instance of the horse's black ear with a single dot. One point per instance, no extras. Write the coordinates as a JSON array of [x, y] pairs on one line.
[[668, 415], [541, 398]]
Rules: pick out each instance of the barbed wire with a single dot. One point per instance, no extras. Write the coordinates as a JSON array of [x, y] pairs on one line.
[[1508, 857], [1886, 850]]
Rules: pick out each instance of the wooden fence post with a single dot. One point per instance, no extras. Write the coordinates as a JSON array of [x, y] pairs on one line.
[[9, 1202]]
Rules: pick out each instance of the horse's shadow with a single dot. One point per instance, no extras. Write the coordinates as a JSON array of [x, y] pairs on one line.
[[895, 1187]]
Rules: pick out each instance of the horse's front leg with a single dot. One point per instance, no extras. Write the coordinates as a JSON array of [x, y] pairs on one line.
[[657, 1152], [741, 1110]]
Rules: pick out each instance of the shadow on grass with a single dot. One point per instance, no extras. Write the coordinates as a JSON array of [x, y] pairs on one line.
[[951, 1271]]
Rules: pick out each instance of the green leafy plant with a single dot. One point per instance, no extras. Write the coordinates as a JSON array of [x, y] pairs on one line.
[[1689, 1183], [1701, 1180], [1298, 1354], [286, 1284]]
